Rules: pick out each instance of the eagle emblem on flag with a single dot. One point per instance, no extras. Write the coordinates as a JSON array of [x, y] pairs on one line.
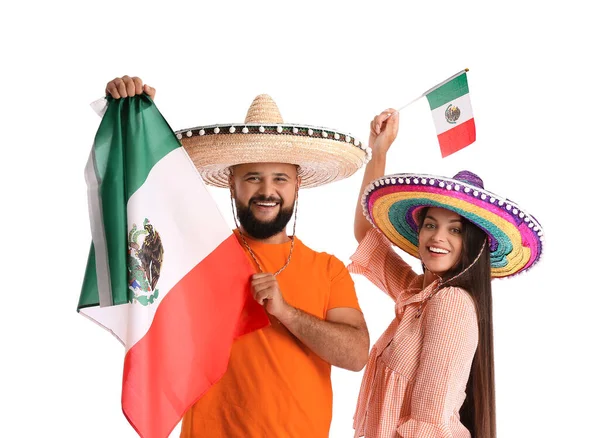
[[144, 263], [452, 114]]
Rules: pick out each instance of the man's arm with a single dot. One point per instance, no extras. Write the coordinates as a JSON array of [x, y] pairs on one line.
[[341, 339], [128, 87]]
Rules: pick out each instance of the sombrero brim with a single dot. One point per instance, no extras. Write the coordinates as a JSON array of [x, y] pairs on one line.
[[324, 155], [516, 237]]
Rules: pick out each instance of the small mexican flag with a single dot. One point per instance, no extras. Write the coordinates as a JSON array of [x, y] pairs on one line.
[[452, 113], [165, 274]]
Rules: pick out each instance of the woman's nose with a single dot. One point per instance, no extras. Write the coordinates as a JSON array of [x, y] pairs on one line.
[[439, 235]]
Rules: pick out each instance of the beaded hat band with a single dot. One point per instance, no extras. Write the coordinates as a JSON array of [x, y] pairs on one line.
[[391, 203], [324, 155]]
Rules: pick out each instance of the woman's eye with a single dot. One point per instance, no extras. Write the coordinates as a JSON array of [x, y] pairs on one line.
[[429, 226], [456, 230]]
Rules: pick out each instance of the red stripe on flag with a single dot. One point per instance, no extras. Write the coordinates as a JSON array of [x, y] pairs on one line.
[[457, 138], [186, 349]]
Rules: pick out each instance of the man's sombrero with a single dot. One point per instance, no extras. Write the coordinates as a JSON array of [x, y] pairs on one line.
[[324, 155], [391, 204]]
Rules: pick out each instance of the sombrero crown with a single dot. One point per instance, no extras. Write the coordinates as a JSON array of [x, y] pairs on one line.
[[391, 203], [324, 155]]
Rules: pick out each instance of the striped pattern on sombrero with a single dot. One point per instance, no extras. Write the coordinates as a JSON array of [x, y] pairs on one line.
[[392, 202], [323, 155]]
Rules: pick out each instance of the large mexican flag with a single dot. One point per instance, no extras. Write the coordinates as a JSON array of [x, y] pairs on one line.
[[165, 273], [452, 113]]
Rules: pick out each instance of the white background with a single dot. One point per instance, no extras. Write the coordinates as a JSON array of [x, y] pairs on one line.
[[533, 79]]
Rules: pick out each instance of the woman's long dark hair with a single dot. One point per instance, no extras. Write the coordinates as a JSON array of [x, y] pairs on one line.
[[478, 413]]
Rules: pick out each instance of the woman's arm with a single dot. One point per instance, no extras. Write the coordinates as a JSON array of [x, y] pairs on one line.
[[384, 129]]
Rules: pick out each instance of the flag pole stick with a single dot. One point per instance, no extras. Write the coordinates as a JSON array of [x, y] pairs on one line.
[[433, 88]]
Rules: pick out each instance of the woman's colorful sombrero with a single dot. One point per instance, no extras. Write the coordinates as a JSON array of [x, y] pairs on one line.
[[391, 204], [324, 155]]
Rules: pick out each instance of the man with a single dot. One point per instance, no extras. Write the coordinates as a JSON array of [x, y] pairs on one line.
[[278, 380]]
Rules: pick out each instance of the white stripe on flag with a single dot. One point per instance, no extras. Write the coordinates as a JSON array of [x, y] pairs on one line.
[[99, 106], [439, 114], [177, 204], [98, 235]]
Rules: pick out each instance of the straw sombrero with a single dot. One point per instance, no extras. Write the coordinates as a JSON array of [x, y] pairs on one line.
[[324, 155], [391, 204]]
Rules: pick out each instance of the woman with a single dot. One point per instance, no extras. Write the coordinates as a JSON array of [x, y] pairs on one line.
[[431, 374]]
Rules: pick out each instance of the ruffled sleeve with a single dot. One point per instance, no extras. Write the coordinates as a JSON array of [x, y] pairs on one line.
[[411, 428], [450, 336], [375, 259]]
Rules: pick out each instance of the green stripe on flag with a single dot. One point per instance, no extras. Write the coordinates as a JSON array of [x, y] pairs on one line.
[[136, 122], [448, 92], [89, 290], [133, 136]]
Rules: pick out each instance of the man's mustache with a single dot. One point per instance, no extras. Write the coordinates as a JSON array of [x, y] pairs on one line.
[[262, 198]]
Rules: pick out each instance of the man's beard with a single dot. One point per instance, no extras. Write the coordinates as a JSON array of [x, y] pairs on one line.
[[259, 229]]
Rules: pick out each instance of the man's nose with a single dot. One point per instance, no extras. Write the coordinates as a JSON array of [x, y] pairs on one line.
[[267, 189]]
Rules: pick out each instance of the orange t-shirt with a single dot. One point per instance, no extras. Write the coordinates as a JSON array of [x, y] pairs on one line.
[[274, 385]]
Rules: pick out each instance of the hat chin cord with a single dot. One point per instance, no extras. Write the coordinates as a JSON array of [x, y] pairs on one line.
[[237, 225], [441, 283]]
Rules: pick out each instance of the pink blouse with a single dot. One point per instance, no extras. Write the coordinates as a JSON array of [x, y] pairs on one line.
[[415, 380]]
